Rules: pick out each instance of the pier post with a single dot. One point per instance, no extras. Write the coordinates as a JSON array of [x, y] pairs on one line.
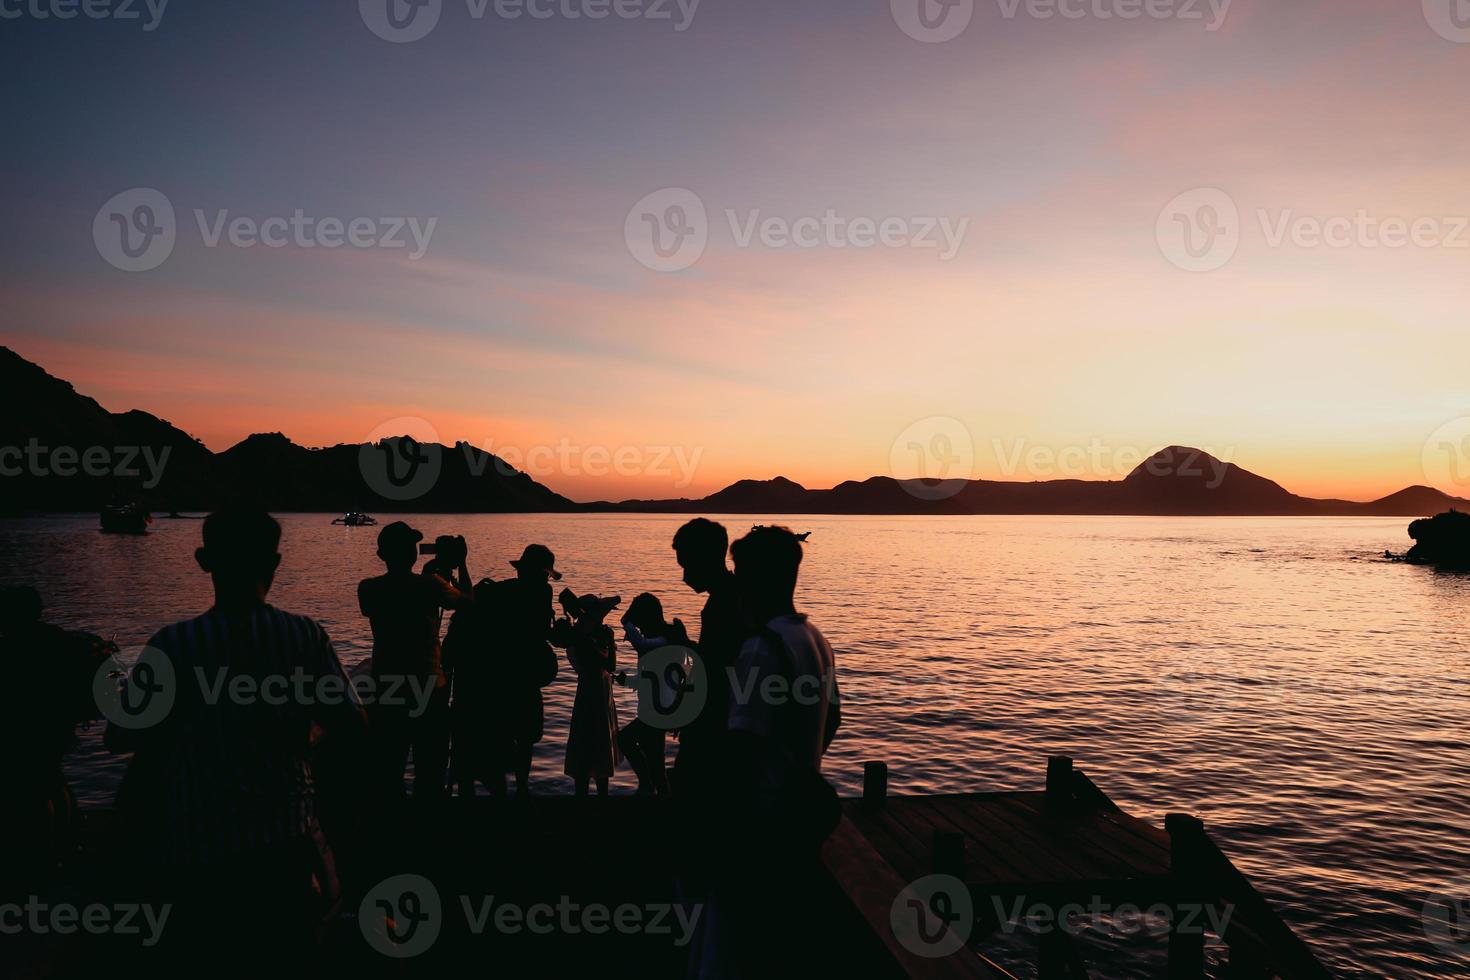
[[1186, 930], [1059, 781], [875, 784]]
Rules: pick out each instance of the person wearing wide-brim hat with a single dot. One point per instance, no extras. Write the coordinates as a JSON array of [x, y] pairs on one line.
[[592, 736], [518, 717], [537, 559]]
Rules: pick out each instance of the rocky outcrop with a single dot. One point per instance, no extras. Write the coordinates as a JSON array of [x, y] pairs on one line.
[[1442, 541]]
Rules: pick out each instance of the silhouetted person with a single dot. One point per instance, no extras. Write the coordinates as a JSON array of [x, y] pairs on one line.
[[50, 672], [592, 734], [474, 638], [410, 707], [783, 714], [643, 745], [219, 801], [526, 658], [701, 546]]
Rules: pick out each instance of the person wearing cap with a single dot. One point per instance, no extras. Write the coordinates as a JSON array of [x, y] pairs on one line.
[[409, 713], [519, 713], [592, 735]]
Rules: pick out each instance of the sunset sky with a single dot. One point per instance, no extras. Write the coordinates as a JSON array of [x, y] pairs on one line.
[[1062, 321]]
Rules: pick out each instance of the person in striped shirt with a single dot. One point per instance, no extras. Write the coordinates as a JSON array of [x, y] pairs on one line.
[[219, 796]]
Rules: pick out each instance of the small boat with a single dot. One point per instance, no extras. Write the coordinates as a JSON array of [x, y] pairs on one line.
[[125, 519], [355, 519]]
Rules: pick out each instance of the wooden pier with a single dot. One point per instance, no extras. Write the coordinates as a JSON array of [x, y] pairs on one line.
[[1065, 846]]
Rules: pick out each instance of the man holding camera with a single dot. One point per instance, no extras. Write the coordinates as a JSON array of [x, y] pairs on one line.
[[409, 711]]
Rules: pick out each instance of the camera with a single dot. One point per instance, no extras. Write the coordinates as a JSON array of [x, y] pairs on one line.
[[450, 549]]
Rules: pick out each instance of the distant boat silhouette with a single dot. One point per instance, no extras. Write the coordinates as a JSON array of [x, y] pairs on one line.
[[355, 519], [125, 519]]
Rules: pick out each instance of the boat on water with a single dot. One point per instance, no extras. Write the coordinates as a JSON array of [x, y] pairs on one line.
[[355, 519], [125, 519]]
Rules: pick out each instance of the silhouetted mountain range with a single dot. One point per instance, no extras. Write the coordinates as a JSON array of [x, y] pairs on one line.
[[159, 465], [1174, 481], [152, 462]]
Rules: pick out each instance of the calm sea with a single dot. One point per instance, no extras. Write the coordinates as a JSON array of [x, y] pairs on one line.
[[1275, 677]]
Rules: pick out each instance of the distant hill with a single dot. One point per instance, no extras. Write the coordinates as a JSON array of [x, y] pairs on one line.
[[1174, 481], [137, 456]]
